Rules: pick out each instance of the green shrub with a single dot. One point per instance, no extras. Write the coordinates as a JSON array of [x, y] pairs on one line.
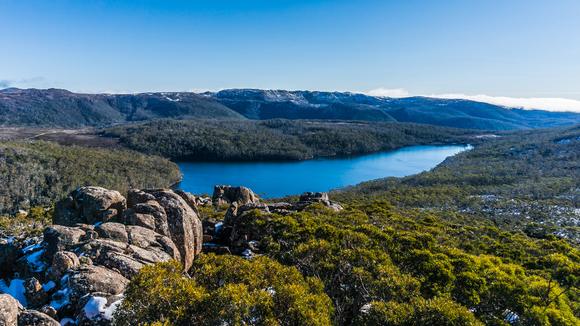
[[225, 290]]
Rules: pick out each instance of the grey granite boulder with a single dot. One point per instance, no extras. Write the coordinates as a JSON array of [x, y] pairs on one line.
[[36, 318], [9, 308], [89, 205], [225, 195]]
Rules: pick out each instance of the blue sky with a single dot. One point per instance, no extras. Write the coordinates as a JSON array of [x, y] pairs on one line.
[[516, 48]]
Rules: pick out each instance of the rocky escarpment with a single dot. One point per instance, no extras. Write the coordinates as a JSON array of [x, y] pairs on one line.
[[79, 270]]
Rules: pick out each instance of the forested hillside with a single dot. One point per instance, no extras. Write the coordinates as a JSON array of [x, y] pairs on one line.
[[277, 139], [270, 104], [64, 109], [529, 181], [38, 173]]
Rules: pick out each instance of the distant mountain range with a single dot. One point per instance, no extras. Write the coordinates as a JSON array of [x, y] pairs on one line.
[[61, 108]]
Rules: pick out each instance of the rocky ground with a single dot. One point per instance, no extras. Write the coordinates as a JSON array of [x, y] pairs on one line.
[[77, 270]]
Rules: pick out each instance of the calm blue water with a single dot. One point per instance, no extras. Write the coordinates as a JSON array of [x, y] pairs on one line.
[[277, 179]]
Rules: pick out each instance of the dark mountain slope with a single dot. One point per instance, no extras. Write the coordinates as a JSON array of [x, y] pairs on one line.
[[470, 114], [268, 104], [61, 108]]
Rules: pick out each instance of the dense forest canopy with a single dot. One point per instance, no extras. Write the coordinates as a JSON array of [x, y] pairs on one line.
[[36, 173], [202, 140]]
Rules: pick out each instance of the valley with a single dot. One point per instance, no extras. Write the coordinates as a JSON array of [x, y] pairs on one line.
[[480, 236], [290, 163]]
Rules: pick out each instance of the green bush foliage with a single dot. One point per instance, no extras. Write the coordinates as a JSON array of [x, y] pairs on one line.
[[225, 290], [381, 265]]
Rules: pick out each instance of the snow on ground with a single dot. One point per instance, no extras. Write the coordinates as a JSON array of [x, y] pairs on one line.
[[94, 307], [97, 306], [48, 286], [34, 261], [67, 321], [15, 289], [31, 248], [62, 297]]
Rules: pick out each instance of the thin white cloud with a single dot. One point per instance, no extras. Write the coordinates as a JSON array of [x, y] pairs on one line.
[[389, 92], [528, 103]]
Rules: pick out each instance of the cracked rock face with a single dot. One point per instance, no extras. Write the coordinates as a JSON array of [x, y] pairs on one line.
[[223, 195], [89, 205], [183, 226]]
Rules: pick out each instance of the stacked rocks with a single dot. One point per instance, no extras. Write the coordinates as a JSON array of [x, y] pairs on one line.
[[98, 242]]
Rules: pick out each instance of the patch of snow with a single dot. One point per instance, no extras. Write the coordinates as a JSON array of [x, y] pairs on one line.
[[271, 291], [94, 307], [218, 228], [366, 308], [171, 99], [61, 298], [15, 289], [248, 254], [7, 240], [110, 311], [48, 286], [511, 317], [34, 261], [67, 321], [97, 306], [31, 247]]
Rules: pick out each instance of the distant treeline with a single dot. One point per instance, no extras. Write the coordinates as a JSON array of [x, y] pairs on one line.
[[211, 140], [38, 173]]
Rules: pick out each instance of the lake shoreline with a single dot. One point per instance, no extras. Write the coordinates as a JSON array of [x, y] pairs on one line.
[[275, 179], [320, 157]]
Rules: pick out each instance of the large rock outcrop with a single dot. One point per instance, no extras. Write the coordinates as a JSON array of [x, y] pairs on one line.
[[309, 198], [98, 242], [170, 213], [77, 271], [225, 195], [89, 205]]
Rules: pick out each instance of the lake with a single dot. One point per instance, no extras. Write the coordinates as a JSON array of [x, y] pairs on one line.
[[278, 179]]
